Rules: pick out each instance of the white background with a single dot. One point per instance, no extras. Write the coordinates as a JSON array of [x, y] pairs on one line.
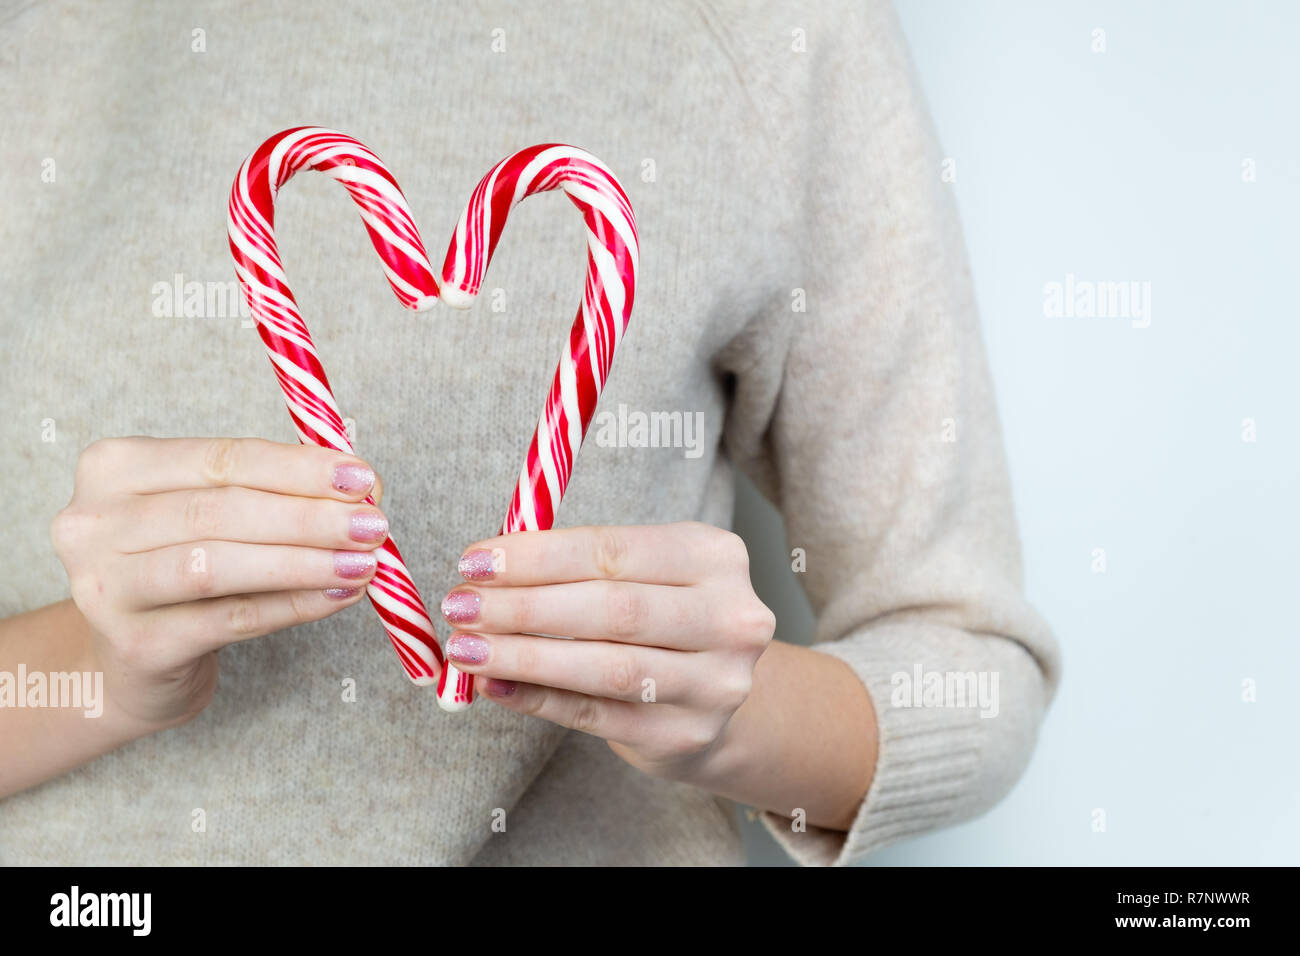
[[1127, 166]]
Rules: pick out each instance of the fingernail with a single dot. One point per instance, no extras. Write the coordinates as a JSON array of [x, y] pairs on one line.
[[476, 565], [368, 526], [501, 688], [353, 479], [354, 564], [460, 607], [467, 649], [340, 594]]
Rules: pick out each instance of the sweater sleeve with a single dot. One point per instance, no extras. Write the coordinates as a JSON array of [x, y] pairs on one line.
[[869, 418]]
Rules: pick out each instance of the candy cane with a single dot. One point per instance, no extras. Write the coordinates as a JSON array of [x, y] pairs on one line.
[[612, 259], [315, 413], [601, 320]]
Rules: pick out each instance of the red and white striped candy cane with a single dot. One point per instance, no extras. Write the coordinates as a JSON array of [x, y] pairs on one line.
[[315, 413], [601, 320], [612, 259]]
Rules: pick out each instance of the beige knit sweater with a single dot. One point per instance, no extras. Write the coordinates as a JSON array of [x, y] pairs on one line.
[[803, 286]]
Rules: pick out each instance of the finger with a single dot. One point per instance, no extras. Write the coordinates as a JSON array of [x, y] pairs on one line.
[[612, 719], [671, 554], [202, 626], [151, 465], [650, 614], [595, 668], [207, 569], [154, 521]]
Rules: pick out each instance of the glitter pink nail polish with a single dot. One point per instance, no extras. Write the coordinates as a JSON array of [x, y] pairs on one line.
[[353, 479], [368, 526], [340, 594], [353, 564], [467, 649], [477, 565], [501, 688], [460, 607]]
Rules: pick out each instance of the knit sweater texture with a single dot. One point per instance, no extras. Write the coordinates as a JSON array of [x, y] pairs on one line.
[[803, 289]]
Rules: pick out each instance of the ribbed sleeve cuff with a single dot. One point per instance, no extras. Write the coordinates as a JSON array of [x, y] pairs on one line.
[[932, 763]]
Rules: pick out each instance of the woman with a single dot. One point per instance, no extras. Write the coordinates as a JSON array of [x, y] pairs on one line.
[[803, 294]]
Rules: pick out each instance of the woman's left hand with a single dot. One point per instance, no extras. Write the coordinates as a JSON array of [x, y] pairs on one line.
[[666, 630]]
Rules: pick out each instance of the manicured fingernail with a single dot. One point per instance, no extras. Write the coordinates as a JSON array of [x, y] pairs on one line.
[[501, 688], [353, 479], [476, 565], [340, 594], [354, 564], [460, 607], [368, 526], [467, 649]]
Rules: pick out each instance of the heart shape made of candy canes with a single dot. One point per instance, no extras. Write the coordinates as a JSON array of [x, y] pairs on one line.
[[612, 260]]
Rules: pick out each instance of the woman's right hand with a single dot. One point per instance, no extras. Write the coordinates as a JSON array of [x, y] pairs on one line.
[[175, 548]]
